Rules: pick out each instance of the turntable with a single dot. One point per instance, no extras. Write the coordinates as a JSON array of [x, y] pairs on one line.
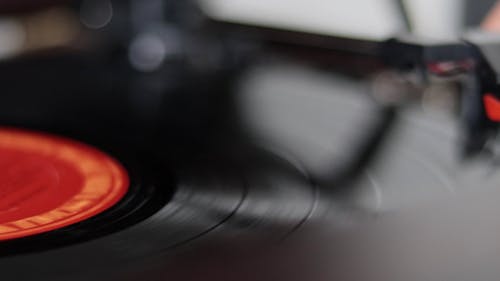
[[157, 140]]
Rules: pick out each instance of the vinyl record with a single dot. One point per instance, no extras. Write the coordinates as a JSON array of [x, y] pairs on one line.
[[176, 190]]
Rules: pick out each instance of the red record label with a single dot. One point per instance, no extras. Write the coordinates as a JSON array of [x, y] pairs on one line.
[[48, 182]]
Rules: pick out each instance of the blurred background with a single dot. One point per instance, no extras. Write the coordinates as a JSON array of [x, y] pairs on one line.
[[28, 25]]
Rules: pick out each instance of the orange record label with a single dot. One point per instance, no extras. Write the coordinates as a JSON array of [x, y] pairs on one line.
[[49, 182]]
